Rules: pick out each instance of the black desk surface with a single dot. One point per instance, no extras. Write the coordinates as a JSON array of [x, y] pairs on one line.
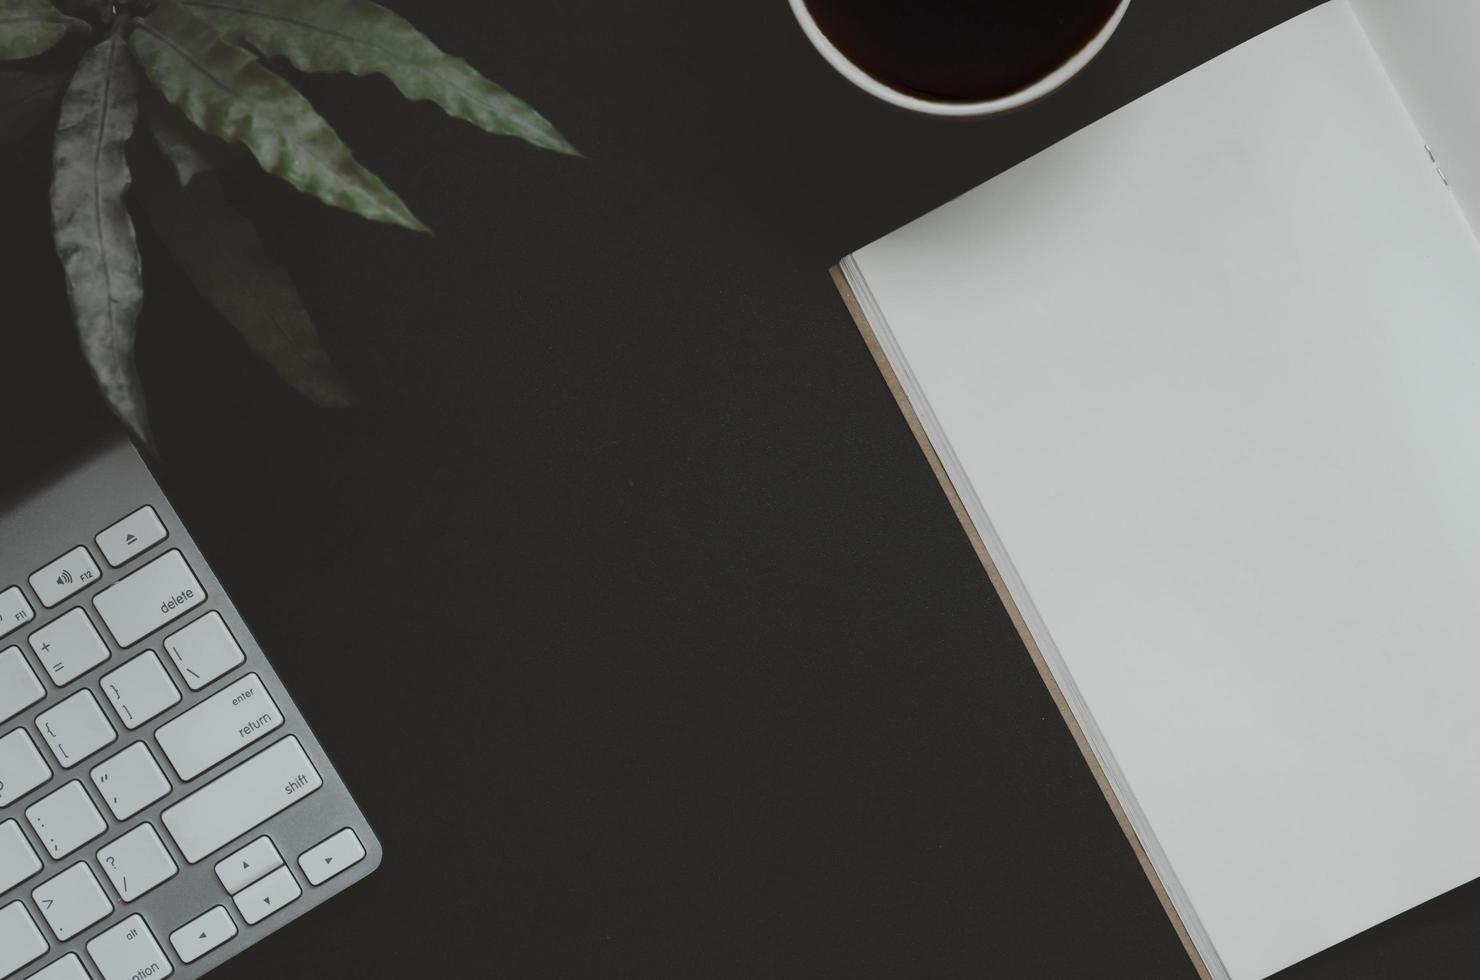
[[624, 599]]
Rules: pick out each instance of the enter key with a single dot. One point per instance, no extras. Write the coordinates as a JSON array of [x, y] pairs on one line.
[[220, 726]]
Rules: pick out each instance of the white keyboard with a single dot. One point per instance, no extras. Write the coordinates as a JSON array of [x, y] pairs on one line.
[[162, 803]]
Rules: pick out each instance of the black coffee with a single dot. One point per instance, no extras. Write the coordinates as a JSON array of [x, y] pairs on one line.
[[960, 50]]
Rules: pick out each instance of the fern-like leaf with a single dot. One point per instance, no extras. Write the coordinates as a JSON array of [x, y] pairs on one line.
[[364, 38], [226, 92], [90, 220]]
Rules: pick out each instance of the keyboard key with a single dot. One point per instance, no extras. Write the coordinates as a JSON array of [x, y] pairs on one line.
[[258, 789], [248, 865], [268, 896], [131, 537], [200, 935], [15, 611], [19, 688], [204, 651], [21, 767], [160, 592], [137, 863], [20, 941], [68, 967], [66, 820], [129, 951], [75, 729], [18, 860], [68, 647], [130, 781], [65, 577], [72, 901], [220, 726], [140, 690], [338, 853]]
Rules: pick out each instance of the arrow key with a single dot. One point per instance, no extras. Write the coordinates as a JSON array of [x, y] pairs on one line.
[[247, 865], [267, 896], [324, 861], [200, 935]]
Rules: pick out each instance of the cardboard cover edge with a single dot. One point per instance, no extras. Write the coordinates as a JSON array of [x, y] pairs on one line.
[[923, 439]]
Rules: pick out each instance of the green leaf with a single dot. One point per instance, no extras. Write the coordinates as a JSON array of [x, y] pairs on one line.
[[190, 151], [363, 38], [223, 90], [29, 27], [94, 235], [219, 251]]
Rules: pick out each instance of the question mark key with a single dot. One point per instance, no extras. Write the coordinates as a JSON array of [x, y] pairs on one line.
[[137, 863]]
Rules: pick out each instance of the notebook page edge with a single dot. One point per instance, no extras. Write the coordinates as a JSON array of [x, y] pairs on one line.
[[1037, 640]]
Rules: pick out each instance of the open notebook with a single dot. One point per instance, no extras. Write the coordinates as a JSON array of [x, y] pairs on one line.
[[1204, 382]]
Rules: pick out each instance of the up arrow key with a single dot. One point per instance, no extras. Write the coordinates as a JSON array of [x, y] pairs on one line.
[[249, 864]]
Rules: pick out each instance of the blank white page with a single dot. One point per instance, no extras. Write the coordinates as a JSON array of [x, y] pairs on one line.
[[1207, 375]]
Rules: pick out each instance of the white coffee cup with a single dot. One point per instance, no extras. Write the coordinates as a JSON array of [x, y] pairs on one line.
[[905, 100]]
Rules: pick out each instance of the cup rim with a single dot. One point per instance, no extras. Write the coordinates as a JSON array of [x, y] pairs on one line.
[[1030, 93]]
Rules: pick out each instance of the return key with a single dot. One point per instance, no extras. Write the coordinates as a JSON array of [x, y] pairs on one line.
[[219, 726]]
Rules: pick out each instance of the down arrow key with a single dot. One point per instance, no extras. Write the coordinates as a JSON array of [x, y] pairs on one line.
[[268, 896]]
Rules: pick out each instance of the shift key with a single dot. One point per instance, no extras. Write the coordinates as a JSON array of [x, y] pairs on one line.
[[252, 793], [159, 593]]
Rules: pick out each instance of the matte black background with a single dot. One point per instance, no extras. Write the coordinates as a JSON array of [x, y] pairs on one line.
[[624, 599]]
